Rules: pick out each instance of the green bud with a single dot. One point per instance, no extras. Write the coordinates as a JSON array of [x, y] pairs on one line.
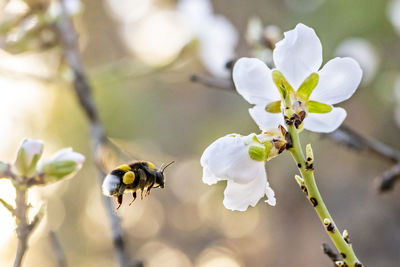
[[309, 153], [273, 107], [299, 180], [257, 153], [308, 86], [56, 170], [28, 157]]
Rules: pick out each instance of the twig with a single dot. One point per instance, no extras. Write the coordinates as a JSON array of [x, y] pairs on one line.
[[213, 82], [389, 177], [344, 135], [24, 228], [69, 39], [356, 141], [328, 251], [57, 249]]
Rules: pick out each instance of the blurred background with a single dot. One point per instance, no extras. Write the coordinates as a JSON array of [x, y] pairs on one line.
[[139, 56]]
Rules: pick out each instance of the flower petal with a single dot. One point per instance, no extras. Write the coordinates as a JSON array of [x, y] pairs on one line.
[[208, 177], [325, 122], [240, 196], [228, 159], [253, 81], [265, 120], [298, 55], [338, 80]]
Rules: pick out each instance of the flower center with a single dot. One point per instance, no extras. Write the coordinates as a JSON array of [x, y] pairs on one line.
[[295, 105]]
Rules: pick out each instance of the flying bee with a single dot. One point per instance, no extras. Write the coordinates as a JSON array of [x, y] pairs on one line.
[[141, 175]]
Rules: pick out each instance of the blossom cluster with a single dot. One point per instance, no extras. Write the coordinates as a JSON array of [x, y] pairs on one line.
[[296, 92], [63, 164]]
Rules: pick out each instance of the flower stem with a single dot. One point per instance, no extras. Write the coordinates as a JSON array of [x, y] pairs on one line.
[[311, 190]]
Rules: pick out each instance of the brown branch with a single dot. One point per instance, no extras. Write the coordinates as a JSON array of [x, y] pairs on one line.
[[344, 135], [24, 229], [332, 255], [354, 140], [389, 177], [213, 82], [69, 40], [57, 249]]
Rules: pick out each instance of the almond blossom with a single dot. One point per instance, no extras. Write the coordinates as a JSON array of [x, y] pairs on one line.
[[240, 160], [311, 90]]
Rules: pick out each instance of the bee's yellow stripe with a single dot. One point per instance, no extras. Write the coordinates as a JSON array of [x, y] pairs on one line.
[[128, 177], [124, 167], [151, 165]]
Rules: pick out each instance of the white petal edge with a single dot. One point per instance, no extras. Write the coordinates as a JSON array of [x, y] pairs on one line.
[[338, 80], [239, 196], [32, 147], [325, 122], [253, 81], [208, 177], [298, 54], [266, 120]]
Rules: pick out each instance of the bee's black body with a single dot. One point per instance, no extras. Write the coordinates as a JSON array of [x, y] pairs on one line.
[[138, 175]]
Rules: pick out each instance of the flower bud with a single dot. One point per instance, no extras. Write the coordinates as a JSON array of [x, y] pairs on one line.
[[28, 155], [64, 163]]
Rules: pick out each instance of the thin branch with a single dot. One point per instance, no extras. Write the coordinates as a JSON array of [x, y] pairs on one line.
[[332, 255], [344, 135], [57, 249], [23, 229], [5, 171], [354, 140], [213, 82], [69, 39], [8, 206], [389, 177]]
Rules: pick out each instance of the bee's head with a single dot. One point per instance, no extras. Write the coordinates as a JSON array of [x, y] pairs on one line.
[[111, 185], [160, 175]]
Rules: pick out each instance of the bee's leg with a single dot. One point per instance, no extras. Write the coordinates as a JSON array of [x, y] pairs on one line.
[[149, 188], [141, 193], [134, 197], [142, 182], [119, 201]]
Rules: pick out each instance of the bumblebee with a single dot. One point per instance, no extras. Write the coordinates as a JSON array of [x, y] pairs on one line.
[[141, 175]]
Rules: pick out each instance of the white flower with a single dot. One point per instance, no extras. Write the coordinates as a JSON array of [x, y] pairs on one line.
[[217, 36], [393, 12], [28, 155], [298, 57], [262, 39], [72, 7], [64, 163], [362, 51], [228, 158]]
